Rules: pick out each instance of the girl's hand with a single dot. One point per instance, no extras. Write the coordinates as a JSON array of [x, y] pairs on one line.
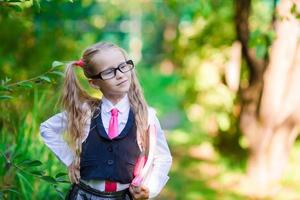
[[74, 173], [139, 193]]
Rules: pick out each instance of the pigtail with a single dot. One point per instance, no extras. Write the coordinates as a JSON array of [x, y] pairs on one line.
[[78, 106], [140, 109]]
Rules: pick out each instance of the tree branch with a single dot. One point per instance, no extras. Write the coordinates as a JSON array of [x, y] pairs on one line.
[[256, 66]]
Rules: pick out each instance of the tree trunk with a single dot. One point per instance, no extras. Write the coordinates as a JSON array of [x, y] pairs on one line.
[[269, 156], [269, 117]]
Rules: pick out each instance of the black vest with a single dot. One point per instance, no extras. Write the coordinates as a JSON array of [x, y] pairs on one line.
[[105, 159]]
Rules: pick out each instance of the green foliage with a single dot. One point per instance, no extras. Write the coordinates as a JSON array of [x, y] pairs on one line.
[[294, 11], [20, 173], [9, 88]]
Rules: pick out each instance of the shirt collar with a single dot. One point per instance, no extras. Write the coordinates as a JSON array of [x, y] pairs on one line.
[[122, 105]]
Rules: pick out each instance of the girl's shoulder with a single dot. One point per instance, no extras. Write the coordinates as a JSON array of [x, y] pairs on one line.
[[151, 115], [86, 110], [151, 111]]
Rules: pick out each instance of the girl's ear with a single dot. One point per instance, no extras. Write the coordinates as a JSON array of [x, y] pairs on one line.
[[93, 85]]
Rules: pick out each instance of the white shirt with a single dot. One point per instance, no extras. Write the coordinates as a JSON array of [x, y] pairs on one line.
[[53, 128]]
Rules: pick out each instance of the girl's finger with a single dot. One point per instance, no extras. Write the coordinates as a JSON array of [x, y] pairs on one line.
[[143, 188], [136, 189], [131, 190], [136, 196]]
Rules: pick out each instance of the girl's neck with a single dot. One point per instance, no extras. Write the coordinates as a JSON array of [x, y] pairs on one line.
[[114, 99]]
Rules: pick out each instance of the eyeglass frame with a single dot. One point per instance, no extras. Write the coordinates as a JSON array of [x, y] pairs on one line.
[[99, 76]]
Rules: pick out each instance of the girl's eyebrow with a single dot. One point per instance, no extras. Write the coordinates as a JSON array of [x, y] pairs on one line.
[[111, 67], [114, 67]]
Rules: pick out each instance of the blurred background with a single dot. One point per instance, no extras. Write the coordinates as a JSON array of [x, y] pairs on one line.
[[222, 75]]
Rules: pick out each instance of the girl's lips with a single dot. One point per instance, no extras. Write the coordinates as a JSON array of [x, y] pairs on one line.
[[122, 83]]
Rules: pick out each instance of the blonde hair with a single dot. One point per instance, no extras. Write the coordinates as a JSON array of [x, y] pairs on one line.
[[79, 104]]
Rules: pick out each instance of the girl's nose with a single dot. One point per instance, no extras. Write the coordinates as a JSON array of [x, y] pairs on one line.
[[119, 74]]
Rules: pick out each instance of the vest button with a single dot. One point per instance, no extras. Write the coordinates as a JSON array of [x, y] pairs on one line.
[[110, 149], [110, 162]]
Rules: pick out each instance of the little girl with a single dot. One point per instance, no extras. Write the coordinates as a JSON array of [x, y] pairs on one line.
[[116, 148]]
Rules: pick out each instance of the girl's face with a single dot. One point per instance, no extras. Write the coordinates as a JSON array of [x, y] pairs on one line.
[[117, 86]]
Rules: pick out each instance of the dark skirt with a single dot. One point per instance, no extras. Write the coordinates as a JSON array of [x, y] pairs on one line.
[[82, 191]]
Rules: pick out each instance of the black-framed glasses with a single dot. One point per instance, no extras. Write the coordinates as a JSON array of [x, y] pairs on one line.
[[111, 72]]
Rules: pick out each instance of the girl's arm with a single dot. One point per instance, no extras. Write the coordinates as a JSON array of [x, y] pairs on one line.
[[51, 132], [162, 160]]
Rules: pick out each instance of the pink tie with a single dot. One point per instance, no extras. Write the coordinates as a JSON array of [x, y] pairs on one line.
[[111, 186], [113, 124]]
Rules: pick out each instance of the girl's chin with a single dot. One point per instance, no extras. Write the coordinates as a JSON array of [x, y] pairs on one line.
[[122, 92], [123, 88]]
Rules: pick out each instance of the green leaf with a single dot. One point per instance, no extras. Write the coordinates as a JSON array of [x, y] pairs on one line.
[[25, 85], [5, 88], [15, 155], [49, 179], [271, 35], [261, 51], [25, 185], [57, 64], [5, 97], [60, 174], [37, 5], [14, 1], [58, 73], [45, 78], [61, 180], [37, 173], [7, 79], [294, 9], [60, 193], [30, 163], [60, 177], [17, 8], [11, 190]]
